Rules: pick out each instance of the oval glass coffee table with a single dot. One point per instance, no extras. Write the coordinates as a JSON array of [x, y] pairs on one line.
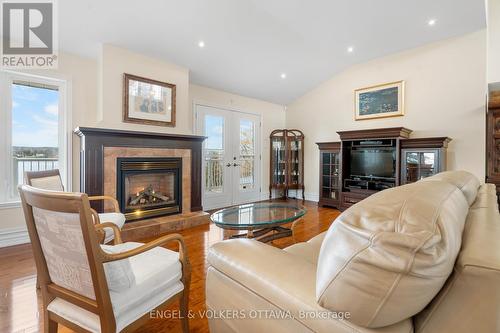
[[263, 220]]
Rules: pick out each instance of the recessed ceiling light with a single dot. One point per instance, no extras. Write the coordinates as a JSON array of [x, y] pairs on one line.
[[283, 75], [350, 49], [201, 44], [431, 22]]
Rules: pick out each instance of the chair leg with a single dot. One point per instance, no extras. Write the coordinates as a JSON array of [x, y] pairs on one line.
[[49, 326], [37, 282], [184, 307]]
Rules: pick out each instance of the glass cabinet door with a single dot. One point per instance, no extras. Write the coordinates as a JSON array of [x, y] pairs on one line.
[[419, 164], [278, 166], [330, 166], [295, 150]]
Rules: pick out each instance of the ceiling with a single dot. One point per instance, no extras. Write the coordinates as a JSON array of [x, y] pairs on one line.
[[250, 43]]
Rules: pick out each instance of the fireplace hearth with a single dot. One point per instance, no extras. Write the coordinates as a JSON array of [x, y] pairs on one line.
[[149, 186]]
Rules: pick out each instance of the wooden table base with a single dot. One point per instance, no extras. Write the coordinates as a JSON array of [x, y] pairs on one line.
[[267, 234]]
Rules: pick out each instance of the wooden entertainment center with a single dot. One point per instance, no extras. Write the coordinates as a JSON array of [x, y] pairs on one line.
[[367, 161]]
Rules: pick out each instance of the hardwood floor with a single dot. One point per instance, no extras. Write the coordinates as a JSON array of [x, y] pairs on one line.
[[20, 304]]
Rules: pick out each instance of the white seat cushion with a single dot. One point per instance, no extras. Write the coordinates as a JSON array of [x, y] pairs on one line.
[[119, 274], [157, 275], [116, 218]]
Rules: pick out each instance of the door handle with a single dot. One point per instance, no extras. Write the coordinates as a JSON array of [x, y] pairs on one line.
[[235, 165], [228, 165]]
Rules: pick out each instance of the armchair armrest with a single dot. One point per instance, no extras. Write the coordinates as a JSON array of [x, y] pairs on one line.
[[183, 256], [106, 257], [116, 231], [113, 201], [99, 227]]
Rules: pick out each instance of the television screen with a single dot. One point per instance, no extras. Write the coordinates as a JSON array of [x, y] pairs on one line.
[[372, 163]]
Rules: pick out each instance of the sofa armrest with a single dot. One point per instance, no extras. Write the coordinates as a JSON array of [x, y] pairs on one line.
[[285, 280], [265, 269]]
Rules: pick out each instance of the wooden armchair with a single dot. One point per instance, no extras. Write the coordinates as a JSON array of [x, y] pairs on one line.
[[89, 287], [51, 180]]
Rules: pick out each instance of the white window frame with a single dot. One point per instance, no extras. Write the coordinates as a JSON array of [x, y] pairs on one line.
[[64, 131]]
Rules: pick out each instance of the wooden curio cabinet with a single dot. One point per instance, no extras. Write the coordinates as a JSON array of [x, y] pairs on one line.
[[329, 174], [287, 162]]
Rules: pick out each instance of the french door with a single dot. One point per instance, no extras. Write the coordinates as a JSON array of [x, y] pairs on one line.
[[231, 156]]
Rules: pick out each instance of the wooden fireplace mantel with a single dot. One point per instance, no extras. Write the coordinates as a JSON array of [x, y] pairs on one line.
[[94, 140]]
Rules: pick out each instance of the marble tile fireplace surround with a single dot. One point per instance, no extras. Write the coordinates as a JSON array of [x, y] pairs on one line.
[[152, 164]]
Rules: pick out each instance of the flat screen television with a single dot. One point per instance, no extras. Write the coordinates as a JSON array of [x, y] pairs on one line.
[[378, 163]]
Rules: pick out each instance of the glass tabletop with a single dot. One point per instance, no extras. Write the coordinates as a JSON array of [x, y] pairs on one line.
[[260, 214]]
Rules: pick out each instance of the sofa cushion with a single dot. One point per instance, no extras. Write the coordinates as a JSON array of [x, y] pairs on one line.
[[386, 257], [465, 181]]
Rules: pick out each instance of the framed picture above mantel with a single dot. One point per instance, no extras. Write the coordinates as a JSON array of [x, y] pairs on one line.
[[379, 101], [148, 102]]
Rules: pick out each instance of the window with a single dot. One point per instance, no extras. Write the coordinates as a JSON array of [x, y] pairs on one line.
[[33, 129]]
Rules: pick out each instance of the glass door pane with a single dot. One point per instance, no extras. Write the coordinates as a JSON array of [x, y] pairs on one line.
[[214, 153], [279, 164], [428, 166], [246, 158], [412, 166], [295, 162], [247, 154], [217, 172]]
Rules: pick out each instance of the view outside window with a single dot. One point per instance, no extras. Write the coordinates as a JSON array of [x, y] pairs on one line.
[[247, 154], [214, 154], [35, 130]]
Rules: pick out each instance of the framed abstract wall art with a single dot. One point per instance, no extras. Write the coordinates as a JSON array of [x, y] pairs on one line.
[[380, 101], [148, 102]]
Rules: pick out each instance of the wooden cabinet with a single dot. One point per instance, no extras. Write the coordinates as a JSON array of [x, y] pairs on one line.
[[493, 140], [287, 162], [368, 161], [329, 171], [421, 158]]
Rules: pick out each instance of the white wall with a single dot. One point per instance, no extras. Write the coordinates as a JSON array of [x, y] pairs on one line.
[[493, 41], [445, 96], [273, 117], [113, 63]]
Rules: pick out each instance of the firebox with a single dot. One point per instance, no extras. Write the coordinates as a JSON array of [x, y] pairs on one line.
[[149, 186]]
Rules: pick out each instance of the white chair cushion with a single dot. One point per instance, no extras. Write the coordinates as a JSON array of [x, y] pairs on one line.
[[116, 218], [119, 273], [51, 183], [157, 275]]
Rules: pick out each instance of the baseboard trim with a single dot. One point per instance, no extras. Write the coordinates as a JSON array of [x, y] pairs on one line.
[[311, 196], [13, 236]]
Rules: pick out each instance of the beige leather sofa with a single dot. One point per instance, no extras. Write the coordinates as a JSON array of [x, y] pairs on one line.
[[423, 257]]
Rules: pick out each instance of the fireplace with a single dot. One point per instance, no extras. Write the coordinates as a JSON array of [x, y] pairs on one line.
[[149, 186]]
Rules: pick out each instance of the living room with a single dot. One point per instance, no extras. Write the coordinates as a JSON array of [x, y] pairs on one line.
[[236, 166]]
